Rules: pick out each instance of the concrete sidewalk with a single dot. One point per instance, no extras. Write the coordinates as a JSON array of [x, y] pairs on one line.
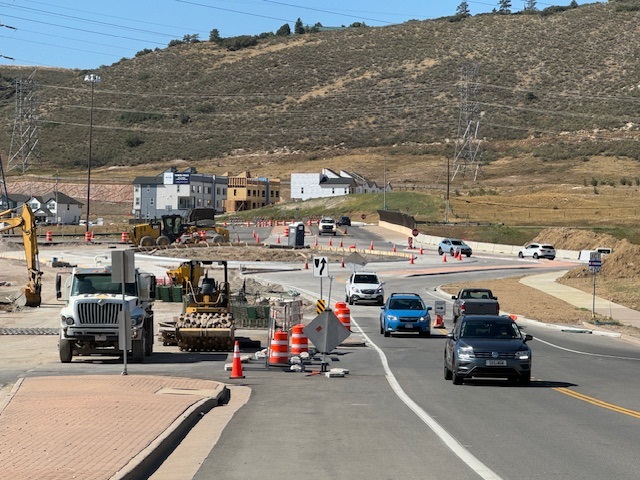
[[546, 282], [100, 426]]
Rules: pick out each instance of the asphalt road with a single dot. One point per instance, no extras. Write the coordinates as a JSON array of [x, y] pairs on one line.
[[394, 416]]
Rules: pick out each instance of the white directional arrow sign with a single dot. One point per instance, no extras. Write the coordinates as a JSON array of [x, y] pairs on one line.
[[320, 267]]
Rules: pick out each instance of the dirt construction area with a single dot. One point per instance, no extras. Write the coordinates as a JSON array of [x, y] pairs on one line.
[[619, 280]]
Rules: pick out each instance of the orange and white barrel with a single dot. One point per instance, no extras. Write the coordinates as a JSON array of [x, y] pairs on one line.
[[286, 231], [49, 236], [343, 313], [279, 348], [87, 236], [124, 238], [299, 341]]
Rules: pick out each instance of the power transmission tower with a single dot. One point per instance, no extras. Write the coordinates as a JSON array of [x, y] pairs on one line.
[[468, 149], [23, 151]]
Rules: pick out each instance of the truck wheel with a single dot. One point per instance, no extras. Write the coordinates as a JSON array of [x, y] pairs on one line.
[[138, 349], [147, 241], [217, 239], [163, 241], [66, 351]]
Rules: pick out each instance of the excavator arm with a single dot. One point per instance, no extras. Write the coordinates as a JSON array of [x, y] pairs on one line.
[[26, 221]]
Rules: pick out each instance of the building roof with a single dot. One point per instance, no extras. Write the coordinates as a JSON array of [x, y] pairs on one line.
[[61, 198]]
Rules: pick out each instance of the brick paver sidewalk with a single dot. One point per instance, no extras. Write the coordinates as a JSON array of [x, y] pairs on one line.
[[91, 427]]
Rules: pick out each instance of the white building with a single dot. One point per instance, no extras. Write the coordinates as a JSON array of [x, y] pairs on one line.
[[177, 192], [328, 183], [56, 208]]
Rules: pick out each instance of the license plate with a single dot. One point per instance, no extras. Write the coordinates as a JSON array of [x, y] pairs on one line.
[[496, 363], [101, 338], [408, 325]]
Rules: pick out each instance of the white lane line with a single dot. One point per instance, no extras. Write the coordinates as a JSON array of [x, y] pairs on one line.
[[578, 352], [465, 455]]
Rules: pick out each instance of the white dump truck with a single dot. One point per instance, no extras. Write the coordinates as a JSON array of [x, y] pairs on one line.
[[89, 321]]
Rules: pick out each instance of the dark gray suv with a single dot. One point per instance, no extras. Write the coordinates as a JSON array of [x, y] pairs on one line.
[[487, 346]]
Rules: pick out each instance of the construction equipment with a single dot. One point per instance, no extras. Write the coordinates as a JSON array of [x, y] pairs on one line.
[[206, 322], [177, 228], [26, 221]]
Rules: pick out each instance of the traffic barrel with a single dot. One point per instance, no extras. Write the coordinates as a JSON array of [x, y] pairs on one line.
[[124, 238], [279, 348], [299, 341], [49, 236], [343, 313]]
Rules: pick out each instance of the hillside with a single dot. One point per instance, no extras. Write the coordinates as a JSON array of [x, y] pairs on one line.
[[551, 88]]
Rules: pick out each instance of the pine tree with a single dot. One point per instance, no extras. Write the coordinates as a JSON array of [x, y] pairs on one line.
[[504, 7], [463, 10], [298, 29], [284, 31], [530, 6]]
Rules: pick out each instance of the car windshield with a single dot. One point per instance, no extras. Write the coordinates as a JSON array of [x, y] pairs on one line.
[[365, 279], [488, 329], [457, 242], [327, 220], [406, 304]]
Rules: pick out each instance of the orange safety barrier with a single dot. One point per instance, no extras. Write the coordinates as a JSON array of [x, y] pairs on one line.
[[279, 348], [87, 236], [343, 313], [299, 341], [124, 238], [49, 236]]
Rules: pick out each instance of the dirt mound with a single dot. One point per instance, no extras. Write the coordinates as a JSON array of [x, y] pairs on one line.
[[575, 239], [621, 263]]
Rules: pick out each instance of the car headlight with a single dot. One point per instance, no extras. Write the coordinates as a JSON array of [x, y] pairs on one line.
[[523, 355], [355, 289], [379, 290], [423, 319], [67, 320], [465, 353], [136, 320], [392, 318]]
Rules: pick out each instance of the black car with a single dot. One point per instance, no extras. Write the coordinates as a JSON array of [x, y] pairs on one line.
[[344, 221], [487, 346]]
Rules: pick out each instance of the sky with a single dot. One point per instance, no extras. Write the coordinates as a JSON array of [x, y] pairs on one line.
[[86, 34]]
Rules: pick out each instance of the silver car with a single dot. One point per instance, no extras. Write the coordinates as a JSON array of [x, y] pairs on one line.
[[487, 346], [538, 250]]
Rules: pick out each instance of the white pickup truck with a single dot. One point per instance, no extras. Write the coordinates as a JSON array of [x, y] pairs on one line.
[[89, 322]]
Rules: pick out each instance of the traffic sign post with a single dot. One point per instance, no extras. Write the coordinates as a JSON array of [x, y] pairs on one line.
[[595, 265]]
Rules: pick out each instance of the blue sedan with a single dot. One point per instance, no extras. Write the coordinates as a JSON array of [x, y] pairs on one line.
[[405, 312]]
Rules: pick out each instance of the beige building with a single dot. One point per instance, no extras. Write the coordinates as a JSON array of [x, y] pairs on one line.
[[246, 192]]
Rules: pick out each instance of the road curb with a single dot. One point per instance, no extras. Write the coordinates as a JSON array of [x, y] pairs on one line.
[[12, 393], [145, 462]]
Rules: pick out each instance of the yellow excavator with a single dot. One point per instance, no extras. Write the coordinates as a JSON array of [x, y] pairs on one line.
[[26, 221]]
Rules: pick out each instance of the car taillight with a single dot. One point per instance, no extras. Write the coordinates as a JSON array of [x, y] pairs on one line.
[[497, 308], [463, 307]]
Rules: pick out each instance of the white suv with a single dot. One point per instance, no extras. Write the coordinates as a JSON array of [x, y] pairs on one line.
[[327, 225], [364, 287]]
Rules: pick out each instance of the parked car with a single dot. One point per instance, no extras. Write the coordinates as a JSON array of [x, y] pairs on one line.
[[487, 346], [327, 225], [474, 301], [538, 250], [405, 312], [344, 221], [453, 245], [364, 287]]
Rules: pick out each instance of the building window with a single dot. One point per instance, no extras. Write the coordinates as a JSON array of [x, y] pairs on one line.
[[137, 201], [277, 193], [151, 201], [301, 191], [263, 193], [148, 188], [333, 191], [235, 192]]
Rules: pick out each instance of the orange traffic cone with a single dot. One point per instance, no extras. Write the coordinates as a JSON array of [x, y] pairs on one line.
[[394, 248], [306, 264], [444, 258], [371, 245], [459, 255], [340, 243], [315, 244], [278, 240], [342, 263], [439, 323], [411, 260], [421, 250], [330, 243], [236, 367], [344, 231]]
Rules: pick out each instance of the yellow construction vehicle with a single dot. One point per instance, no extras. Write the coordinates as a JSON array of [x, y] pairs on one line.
[[206, 322], [177, 228], [26, 221]]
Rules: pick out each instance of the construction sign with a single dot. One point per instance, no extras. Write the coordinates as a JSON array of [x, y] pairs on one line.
[[321, 306]]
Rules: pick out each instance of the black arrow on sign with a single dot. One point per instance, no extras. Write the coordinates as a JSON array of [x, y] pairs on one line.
[[320, 263]]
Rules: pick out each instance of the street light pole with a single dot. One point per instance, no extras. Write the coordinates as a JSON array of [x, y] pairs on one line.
[[92, 79], [384, 180]]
